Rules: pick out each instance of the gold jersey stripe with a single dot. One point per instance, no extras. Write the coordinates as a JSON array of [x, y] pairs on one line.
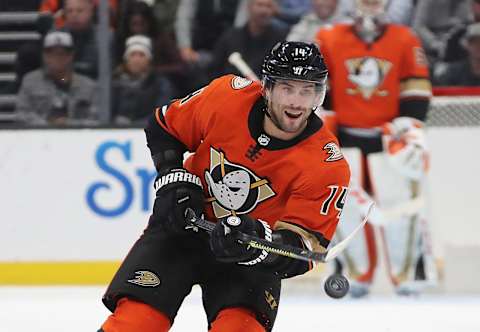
[[57, 273], [415, 84], [307, 237]]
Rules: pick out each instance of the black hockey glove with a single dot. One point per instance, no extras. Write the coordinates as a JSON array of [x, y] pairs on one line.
[[177, 189], [225, 245]]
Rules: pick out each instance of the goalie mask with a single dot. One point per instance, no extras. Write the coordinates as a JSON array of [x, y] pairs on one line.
[[297, 61], [370, 19]]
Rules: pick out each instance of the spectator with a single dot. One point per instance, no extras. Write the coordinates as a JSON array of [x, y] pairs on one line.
[[434, 20], [165, 11], [465, 72], [79, 22], [290, 11], [198, 27], [29, 54], [401, 11], [137, 88], [252, 41], [324, 12], [56, 8], [454, 50], [55, 94], [138, 19]]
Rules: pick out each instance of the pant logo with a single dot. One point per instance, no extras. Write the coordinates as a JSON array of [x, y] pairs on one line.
[[145, 279]]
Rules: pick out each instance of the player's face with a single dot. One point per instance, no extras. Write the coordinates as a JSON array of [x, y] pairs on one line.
[[290, 103]]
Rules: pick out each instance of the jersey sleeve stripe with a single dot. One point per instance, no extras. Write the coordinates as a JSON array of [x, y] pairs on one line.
[[160, 118], [315, 240]]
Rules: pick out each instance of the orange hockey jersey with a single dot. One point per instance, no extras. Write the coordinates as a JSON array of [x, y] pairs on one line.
[[299, 184], [367, 82]]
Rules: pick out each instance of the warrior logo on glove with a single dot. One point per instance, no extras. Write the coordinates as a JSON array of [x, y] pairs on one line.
[[234, 187], [177, 175]]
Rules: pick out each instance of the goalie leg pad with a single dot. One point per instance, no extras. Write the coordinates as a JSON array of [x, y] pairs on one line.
[[403, 235]]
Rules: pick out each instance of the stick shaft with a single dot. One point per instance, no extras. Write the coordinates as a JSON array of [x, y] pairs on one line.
[[279, 248]]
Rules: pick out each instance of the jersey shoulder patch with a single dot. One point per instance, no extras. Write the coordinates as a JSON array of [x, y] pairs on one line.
[[238, 82], [333, 151]]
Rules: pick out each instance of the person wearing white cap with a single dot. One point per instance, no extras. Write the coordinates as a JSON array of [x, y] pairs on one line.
[[55, 94], [137, 87], [138, 43]]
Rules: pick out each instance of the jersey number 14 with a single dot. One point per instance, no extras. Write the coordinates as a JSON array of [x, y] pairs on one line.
[[337, 203]]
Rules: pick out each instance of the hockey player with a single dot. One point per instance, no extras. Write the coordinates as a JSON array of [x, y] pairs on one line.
[[380, 91], [260, 154]]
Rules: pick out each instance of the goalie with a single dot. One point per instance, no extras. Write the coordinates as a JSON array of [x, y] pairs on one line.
[[379, 92]]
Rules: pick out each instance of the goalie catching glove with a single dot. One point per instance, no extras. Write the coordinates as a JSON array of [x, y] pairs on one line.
[[226, 247], [176, 190], [404, 143]]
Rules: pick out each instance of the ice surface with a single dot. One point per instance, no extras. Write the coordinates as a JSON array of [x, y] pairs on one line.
[[79, 309]]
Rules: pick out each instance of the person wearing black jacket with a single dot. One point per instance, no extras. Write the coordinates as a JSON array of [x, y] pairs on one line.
[[136, 88]]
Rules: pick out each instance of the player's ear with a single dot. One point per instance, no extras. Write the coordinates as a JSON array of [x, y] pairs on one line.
[[266, 92], [265, 87]]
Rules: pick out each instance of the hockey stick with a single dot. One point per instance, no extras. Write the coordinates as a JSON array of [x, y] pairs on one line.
[[278, 248], [406, 208], [237, 61]]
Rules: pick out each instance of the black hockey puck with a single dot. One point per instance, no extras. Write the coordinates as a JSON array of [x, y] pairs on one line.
[[336, 286]]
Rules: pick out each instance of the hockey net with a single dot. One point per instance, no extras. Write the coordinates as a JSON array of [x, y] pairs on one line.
[[454, 107]]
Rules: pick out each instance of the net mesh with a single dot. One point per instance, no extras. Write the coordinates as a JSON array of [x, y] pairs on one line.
[[458, 107]]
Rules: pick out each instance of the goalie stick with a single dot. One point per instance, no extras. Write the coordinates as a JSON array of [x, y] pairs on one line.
[[278, 248], [383, 215]]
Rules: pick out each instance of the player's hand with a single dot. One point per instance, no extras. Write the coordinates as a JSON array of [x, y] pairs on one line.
[[177, 190], [225, 245]]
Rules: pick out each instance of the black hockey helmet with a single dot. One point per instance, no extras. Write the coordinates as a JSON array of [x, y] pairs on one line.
[[295, 61]]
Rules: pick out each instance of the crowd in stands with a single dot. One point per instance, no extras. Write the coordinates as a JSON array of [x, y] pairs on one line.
[[164, 49]]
